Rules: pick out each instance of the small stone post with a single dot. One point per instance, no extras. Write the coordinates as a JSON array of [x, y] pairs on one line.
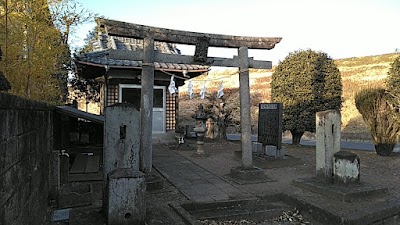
[[328, 142], [126, 203], [121, 140], [245, 118]]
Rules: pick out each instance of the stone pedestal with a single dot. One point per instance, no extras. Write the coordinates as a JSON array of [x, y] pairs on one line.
[[328, 142], [200, 132], [346, 168], [126, 190]]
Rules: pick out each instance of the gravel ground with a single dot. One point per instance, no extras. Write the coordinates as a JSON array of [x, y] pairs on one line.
[[300, 163], [288, 217]]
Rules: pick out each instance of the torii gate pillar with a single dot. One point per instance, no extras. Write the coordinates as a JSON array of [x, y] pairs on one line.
[[146, 106], [245, 117]]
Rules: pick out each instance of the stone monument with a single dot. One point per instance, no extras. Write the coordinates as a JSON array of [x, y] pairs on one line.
[[270, 129]]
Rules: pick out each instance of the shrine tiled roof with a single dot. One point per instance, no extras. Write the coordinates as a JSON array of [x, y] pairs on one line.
[[101, 47]]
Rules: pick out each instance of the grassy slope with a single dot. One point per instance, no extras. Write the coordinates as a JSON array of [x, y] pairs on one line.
[[357, 73]]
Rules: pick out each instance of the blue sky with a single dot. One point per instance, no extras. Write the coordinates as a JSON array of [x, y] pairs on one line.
[[341, 28]]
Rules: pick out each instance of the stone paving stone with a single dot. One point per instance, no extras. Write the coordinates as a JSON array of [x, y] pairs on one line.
[[207, 175], [191, 176], [195, 182], [200, 181], [219, 182]]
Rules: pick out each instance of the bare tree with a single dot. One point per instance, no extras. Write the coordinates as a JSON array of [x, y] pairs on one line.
[[67, 14]]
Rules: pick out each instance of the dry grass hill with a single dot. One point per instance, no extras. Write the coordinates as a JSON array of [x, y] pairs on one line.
[[357, 73]]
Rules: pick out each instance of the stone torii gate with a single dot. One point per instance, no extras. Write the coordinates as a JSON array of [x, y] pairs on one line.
[[202, 41]]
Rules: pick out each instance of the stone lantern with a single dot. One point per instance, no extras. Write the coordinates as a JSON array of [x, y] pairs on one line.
[[200, 129]]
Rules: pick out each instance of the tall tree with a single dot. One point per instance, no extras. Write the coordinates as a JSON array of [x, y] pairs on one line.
[[4, 84], [305, 82], [32, 49], [37, 57]]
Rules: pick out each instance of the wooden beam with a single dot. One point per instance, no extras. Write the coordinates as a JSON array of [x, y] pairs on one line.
[[118, 28], [186, 59]]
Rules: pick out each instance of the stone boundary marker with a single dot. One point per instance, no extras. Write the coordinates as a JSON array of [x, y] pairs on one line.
[[328, 142]]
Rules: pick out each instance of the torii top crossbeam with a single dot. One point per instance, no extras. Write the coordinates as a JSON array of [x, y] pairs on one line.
[[119, 28], [201, 40]]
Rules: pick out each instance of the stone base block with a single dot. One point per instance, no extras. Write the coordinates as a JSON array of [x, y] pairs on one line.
[[126, 190], [346, 167], [256, 147], [75, 194], [270, 150], [344, 193]]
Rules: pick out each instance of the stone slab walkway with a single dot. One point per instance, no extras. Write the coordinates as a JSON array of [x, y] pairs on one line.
[[195, 182]]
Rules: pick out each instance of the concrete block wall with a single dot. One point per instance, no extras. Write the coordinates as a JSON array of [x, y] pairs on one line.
[[26, 142]]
